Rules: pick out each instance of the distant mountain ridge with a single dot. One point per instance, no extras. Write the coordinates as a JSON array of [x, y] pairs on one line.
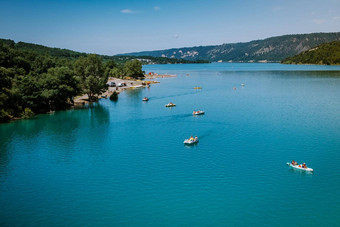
[[272, 49], [70, 54]]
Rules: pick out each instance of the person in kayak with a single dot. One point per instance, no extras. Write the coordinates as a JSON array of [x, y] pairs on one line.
[[294, 163]]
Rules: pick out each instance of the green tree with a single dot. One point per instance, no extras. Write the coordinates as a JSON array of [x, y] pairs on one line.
[[42, 63], [6, 86], [27, 113], [59, 86], [91, 71], [133, 69], [116, 72], [30, 93], [113, 70]]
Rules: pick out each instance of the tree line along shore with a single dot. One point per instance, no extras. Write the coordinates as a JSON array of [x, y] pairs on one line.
[[36, 79], [34, 83]]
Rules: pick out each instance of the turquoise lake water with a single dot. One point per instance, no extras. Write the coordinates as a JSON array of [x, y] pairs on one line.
[[124, 163]]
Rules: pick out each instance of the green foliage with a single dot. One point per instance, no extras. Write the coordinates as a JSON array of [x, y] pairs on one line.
[[133, 69], [116, 72], [114, 96], [62, 57], [8, 98], [91, 71], [59, 86], [325, 54], [109, 65], [38, 79], [27, 113]]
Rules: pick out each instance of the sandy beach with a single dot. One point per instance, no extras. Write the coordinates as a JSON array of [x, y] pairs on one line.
[[128, 84], [156, 75]]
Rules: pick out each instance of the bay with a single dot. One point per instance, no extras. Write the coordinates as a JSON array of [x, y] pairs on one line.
[[124, 163]]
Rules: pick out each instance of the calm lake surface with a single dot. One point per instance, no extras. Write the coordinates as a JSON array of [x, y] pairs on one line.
[[124, 163]]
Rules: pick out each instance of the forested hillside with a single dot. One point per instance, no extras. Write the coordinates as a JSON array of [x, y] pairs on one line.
[[325, 54], [70, 54], [39, 80], [273, 49]]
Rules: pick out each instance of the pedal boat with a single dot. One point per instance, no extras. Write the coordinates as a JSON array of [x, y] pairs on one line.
[[190, 141], [199, 112], [170, 104], [299, 166]]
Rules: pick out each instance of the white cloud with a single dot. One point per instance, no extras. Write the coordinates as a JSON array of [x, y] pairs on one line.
[[336, 18], [128, 11], [156, 8], [175, 36]]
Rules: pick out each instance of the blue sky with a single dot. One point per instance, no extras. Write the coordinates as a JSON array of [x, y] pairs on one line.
[[113, 27]]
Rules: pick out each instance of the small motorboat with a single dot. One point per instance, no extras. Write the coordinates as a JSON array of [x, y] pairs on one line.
[[191, 140], [299, 166], [198, 112], [170, 104], [145, 99]]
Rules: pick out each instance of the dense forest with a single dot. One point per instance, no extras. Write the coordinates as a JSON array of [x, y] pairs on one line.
[[273, 49], [70, 54], [325, 54], [39, 80]]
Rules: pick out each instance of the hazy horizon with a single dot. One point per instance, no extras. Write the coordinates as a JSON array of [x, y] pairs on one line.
[[115, 27]]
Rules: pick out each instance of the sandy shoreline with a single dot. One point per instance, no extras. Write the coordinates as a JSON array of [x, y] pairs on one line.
[[130, 84], [156, 75]]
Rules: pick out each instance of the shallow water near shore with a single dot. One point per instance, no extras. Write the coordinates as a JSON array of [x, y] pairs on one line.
[[124, 163]]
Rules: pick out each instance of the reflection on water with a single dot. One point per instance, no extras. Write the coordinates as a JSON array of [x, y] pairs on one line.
[[134, 94], [300, 172], [61, 127], [191, 146]]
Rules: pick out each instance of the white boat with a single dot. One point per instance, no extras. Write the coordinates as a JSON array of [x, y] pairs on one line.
[[199, 112], [299, 166], [191, 141], [170, 104], [145, 99]]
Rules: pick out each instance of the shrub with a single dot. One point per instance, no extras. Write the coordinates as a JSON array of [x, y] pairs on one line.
[[27, 113]]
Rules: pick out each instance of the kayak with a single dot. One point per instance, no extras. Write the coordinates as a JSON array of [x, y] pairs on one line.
[[170, 105], [199, 112], [189, 142], [300, 167]]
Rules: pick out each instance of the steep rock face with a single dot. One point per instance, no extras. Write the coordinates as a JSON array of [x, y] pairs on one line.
[[271, 49]]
